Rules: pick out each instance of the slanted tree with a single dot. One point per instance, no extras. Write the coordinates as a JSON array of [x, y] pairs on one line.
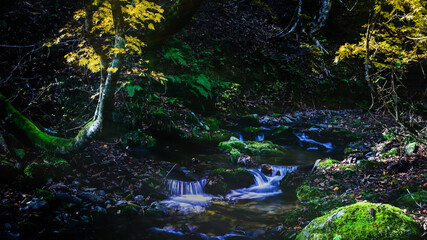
[[395, 38], [108, 31]]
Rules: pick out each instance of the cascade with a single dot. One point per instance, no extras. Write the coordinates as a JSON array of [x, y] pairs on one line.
[[178, 188], [304, 138]]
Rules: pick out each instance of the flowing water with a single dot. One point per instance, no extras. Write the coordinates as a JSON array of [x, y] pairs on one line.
[[242, 212]]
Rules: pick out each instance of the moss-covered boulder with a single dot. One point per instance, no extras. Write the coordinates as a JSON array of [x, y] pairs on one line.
[[39, 172], [237, 147], [211, 137], [362, 221], [281, 130], [327, 163], [227, 146], [221, 181], [308, 192], [292, 180], [410, 201]]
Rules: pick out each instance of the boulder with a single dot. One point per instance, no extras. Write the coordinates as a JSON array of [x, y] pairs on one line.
[[267, 169], [246, 160], [221, 181], [363, 221]]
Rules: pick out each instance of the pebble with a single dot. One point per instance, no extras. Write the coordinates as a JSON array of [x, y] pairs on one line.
[[139, 198], [36, 203], [121, 202], [101, 193]]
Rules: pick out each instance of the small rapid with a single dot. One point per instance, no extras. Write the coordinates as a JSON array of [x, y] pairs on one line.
[[304, 138], [265, 186], [189, 197]]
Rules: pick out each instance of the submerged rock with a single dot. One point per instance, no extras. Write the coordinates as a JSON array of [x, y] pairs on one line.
[[246, 160], [221, 181], [363, 221], [267, 169]]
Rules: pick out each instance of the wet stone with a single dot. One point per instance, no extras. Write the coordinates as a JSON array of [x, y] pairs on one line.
[[67, 198], [267, 169], [90, 197]]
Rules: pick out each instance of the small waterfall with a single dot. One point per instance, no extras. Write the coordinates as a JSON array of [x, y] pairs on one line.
[[304, 138], [260, 137], [178, 188], [264, 186], [187, 197], [241, 137]]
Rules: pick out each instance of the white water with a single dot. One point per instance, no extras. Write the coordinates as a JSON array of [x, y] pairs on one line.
[[265, 186], [188, 197], [304, 138], [178, 188]]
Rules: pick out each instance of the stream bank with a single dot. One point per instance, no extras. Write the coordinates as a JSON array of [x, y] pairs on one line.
[[113, 192]]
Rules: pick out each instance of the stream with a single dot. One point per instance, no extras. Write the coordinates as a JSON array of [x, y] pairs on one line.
[[245, 213]]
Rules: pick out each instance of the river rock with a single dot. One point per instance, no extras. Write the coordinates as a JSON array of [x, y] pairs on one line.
[[267, 169], [67, 198], [91, 197], [363, 221], [36, 203], [246, 160]]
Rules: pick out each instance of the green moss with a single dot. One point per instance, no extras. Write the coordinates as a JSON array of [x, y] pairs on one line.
[[59, 165], [348, 167], [128, 210], [281, 130], [406, 201], [327, 163], [263, 148], [218, 188], [306, 192], [45, 194], [291, 218], [348, 150], [39, 172], [212, 137], [234, 155], [213, 124], [392, 152], [227, 146], [356, 222], [252, 147], [252, 129], [51, 168], [28, 129], [368, 164], [232, 179]]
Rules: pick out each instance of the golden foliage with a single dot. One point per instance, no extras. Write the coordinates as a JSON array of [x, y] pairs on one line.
[[139, 15], [397, 35]]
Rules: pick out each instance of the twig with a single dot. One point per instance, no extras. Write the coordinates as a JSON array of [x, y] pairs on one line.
[[418, 204], [170, 171], [17, 46]]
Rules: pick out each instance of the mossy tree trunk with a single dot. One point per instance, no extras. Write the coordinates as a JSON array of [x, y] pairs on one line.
[[27, 131]]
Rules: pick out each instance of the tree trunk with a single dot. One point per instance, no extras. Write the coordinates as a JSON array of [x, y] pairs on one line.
[[27, 131]]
